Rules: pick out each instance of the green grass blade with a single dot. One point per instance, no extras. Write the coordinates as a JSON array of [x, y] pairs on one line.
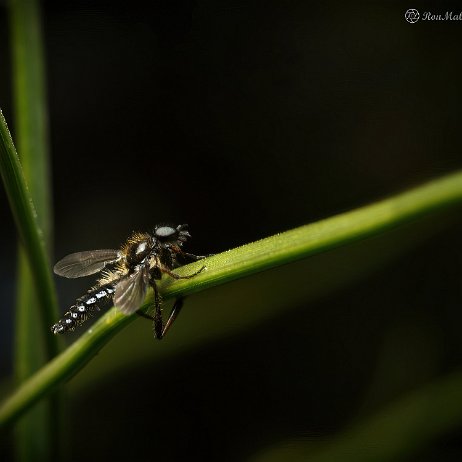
[[36, 433], [324, 235], [31, 119], [248, 259], [33, 433], [25, 218]]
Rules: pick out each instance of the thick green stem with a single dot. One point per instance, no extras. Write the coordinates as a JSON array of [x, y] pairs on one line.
[[325, 234], [248, 259]]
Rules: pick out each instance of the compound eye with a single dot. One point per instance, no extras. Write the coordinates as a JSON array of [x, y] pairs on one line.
[[165, 232]]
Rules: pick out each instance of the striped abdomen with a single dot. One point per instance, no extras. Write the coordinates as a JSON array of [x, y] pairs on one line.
[[83, 309]]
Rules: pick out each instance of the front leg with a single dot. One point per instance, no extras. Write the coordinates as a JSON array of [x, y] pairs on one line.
[[189, 257], [165, 269], [183, 258]]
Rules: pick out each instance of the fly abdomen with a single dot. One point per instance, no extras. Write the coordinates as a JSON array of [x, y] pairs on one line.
[[83, 309]]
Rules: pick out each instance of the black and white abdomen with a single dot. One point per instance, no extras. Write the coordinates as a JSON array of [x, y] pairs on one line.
[[83, 309]]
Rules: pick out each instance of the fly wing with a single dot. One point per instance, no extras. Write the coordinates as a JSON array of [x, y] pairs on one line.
[[130, 291], [81, 264]]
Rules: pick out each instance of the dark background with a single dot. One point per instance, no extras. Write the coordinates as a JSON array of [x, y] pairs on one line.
[[245, 119]]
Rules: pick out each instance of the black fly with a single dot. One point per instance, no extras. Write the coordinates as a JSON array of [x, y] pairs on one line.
[[137, 265]]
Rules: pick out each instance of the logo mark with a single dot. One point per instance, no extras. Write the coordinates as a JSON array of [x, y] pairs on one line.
[[412, 16]]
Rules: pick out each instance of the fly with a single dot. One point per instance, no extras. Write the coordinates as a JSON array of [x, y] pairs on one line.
[[126, 275]]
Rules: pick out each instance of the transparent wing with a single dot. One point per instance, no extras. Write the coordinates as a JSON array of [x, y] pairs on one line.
[[81, 264], [130, 291]]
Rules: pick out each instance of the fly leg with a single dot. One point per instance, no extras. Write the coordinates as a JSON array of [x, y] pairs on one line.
[[158, 323], [173, 315], [144, 315], [177, 276], [183, 258], [191, 257], [159, 328]]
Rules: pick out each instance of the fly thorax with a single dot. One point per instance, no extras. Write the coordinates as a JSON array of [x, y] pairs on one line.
[[138, 251]]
